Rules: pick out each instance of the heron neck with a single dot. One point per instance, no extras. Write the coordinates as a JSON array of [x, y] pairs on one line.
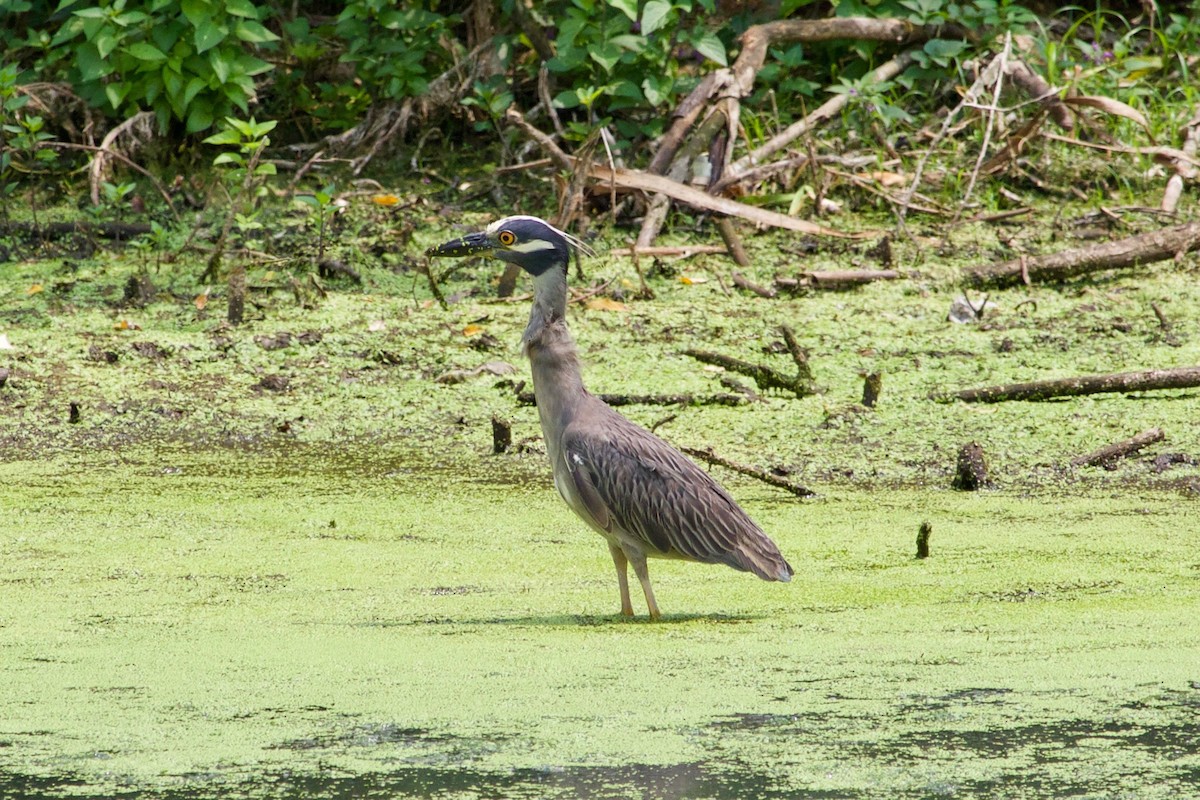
[[549, 303], [553, 359]]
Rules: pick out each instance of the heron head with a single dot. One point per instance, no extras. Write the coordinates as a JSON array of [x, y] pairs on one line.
[[533, 244]]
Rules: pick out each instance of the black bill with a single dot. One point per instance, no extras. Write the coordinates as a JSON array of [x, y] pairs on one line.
[[472, 245]]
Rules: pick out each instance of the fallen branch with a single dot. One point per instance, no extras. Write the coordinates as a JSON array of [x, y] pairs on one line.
[[710, 457], [835, 279], [120, 231], [657, 184], [1146, 380], [1145, 248], [742, 282], [696, 198], [1120, 449], [765, 377]]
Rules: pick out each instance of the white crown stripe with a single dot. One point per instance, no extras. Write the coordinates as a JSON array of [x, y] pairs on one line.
[[574, 241], [532, 246]]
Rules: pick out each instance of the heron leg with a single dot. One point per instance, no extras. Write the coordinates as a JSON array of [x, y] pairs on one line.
[[643, 576], [619, 560]]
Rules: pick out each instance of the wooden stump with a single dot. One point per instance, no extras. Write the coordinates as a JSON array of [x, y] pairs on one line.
[[971, 472]]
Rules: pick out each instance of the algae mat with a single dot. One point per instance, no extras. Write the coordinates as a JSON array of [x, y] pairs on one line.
[[221, 624]]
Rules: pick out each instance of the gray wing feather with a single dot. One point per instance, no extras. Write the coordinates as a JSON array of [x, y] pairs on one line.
[[630, 479]]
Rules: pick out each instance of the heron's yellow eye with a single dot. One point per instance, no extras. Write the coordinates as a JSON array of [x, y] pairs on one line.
[[506, 238]]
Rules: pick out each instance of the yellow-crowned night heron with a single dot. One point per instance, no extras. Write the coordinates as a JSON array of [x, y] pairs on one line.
[[642, 495]]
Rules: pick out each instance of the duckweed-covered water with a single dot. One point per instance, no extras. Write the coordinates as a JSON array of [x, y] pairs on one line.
[[342, 622]]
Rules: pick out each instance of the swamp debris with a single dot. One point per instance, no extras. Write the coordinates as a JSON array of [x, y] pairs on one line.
[[742, 282], [802, 384], [501, 435], [834, 280], [1166, 329], [923, 534], [764, 377], [119, 231], [1145, 380], [454, 376], [970, 472], [1164, 461], [237, 295], [708, 456], [1112, 452], [872, 387], [1144, 248]]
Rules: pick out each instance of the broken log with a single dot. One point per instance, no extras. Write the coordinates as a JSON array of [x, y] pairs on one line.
[[733, 242], [710, 457], [799, 354], [742, 282], [835, 280], [872, 386], [1119, 449], [970, 472], [765, 377], [1145, 248], [120, 231], [501, 435], [923, 534], [1146, 380]]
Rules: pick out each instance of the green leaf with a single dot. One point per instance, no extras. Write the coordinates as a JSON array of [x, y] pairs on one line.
[[92, 66], [657, 88], [653, 16], [219, 65], [711, 48], [249, 65], [606, 55], [628, 7], [200, 116], [193, 88], [227, 136], [130, 18], [144, 51], [115, 92], [630, 42], [254, 32], [91, 13], [209, 35], [227, 158], [566, 99], [942, 50], [241, 8], [105, 43], [196, 11]]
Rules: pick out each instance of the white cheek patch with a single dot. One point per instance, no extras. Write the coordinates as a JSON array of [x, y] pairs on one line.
[[532, 246]]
